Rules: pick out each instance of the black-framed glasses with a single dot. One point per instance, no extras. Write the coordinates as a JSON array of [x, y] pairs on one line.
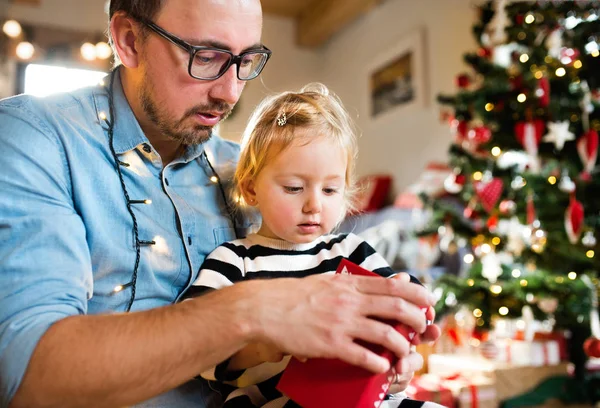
[[208, 63]]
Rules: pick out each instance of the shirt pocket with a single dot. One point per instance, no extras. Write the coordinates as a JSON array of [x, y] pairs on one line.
[[223, 234]]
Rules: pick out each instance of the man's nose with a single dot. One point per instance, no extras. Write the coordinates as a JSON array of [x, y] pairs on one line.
[[228, 87]]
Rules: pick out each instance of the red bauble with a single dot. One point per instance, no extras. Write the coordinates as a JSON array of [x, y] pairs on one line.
[[592, 347], [484, 52], [463, 81], [479, 135], [519, 19]]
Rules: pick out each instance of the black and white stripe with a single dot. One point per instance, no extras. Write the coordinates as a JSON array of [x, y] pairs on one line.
[[258, 257]]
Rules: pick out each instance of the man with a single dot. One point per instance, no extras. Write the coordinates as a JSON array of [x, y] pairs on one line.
[[111, 199]]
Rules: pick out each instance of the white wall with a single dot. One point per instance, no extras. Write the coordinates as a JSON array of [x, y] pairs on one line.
[[290, 67], [403, 143]]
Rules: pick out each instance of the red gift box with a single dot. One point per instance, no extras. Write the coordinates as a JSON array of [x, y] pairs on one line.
[[431, 388], [319, 383]]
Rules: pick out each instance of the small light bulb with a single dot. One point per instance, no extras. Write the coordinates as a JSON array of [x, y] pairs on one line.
[[524, 58], [496, 151], [102, 116], [516, 273], [12, 28], [214, 179], [552, 180], [25, 50], [147, 201], [560, 72], [469, 258], [477, 176], [118, 288], [577, 64], [572, 275], [590, 253], [503, 311], [521, 97], [103, 50], [477, 313], [88, 51]]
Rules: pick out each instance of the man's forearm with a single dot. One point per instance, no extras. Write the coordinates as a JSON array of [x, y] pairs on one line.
[[117, 360]]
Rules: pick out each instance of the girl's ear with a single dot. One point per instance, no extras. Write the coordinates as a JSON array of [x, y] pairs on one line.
[[248, 192]]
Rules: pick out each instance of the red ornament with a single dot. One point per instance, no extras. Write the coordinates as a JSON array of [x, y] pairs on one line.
[[568, 55], [519, 19], [516, 82], [484, 52], [544, 88], [592, 347], [587, 147], [574, 220], [489, 193], [479, 135], [460, 179], [507, 207], [463, 81], [492, 223], [470, 213]]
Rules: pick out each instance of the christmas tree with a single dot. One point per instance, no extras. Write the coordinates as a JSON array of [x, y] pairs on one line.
[[525, 121]]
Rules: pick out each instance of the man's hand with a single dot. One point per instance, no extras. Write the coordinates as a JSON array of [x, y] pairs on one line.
[[323, 315]]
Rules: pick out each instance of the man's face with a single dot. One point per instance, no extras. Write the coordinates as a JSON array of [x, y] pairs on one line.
[[180, 107]]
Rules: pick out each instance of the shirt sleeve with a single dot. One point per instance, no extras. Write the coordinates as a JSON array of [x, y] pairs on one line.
[[45, 267]]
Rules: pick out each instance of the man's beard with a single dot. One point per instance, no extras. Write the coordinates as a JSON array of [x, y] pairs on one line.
[[177, 130]]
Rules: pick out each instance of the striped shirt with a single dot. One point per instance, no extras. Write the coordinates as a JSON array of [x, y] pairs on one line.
[[258, 257]]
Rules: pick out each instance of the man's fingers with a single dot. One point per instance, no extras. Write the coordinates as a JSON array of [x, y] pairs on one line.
[[383, 334], [411, 292], [358, 355], [431, 333], [396, 309]]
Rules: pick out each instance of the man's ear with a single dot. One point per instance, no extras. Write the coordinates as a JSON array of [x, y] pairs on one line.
[[248, 192], [126, 35]]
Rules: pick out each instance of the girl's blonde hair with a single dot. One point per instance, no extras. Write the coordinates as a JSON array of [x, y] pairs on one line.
[[271, 129]]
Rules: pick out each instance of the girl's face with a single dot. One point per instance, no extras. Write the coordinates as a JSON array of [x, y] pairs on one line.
[[300, 191]]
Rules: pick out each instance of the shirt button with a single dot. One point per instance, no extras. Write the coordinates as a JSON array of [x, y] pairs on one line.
[[146, 148]]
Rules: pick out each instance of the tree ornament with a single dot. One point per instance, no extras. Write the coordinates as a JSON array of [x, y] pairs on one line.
[[459, 128], [507, 207], [589, 240], [489, 193], [479, 135], [558, 133], [548, 305], [568, 55], [484, 52], [566, 185], [554, 43], [491, 268], [543, 92], [518, 183], [455, 182], [463, 81], [529, 135], [587, 148], [592, 345], [492, 223], [538, 240], [574, 220], [499, 23]]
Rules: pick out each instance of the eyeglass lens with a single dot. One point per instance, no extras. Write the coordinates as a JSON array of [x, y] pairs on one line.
[[213, 63]]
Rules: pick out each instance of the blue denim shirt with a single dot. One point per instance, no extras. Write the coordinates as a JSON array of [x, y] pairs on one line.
[[65, 231]]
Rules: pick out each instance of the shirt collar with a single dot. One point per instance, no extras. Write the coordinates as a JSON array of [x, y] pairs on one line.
[[127, 133]]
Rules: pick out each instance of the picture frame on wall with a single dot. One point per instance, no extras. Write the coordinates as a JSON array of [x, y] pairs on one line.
[[397, 78]]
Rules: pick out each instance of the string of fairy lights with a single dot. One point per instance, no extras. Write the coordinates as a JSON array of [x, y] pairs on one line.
[[25, 50]]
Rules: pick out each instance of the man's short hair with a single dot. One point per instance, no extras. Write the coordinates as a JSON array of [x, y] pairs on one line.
[[142, 9]]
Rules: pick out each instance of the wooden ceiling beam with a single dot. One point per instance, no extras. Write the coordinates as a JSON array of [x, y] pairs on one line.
[[321, 19]]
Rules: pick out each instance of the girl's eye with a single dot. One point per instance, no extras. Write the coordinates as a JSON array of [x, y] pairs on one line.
[[330, 190], [291, 189]]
